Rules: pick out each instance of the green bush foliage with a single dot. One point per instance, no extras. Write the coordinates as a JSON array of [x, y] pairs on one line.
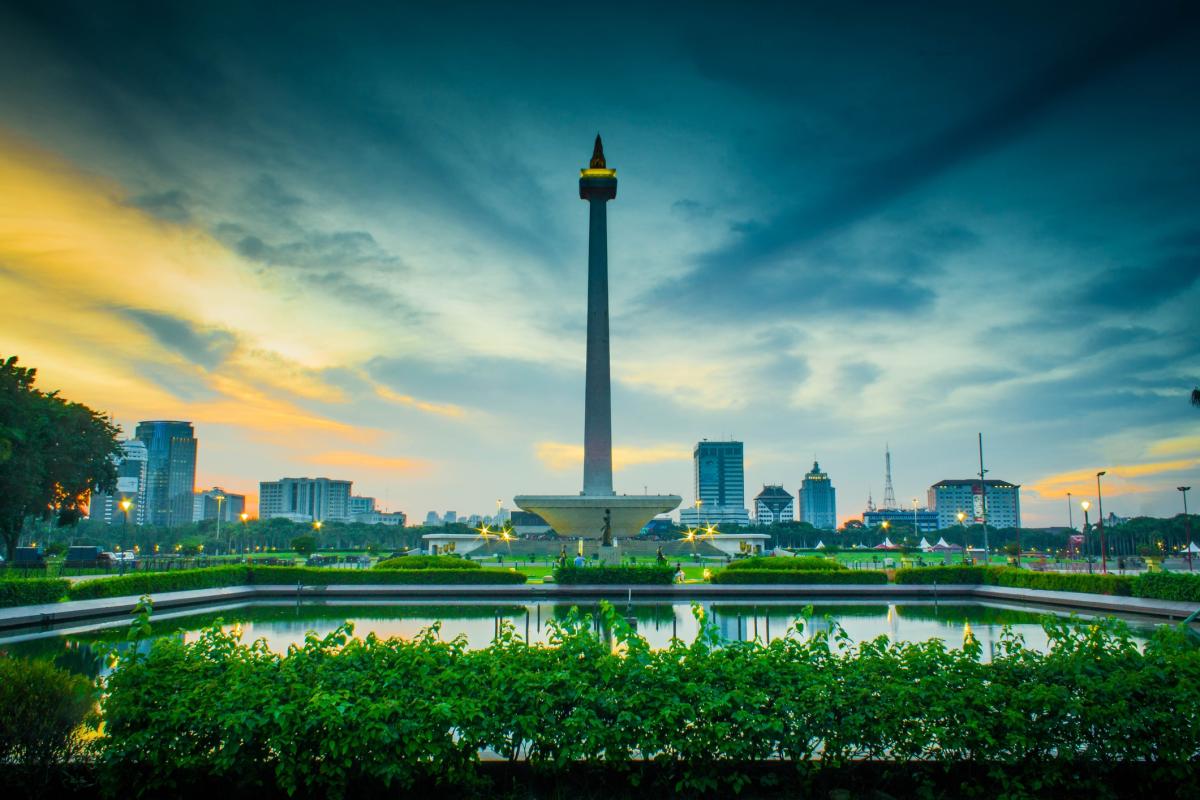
[[1018, 578], [657, 574], [157, 582], [1168, 586], [338, 713], [31, 591], [325, 577], [41, 710], [849, 576], [428, 562], [942, 575], [1058, 582], [803, 563], [572, 575]]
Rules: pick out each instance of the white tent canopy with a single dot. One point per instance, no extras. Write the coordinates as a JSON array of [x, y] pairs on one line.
[[1191, 548], [925, 545], [820, 546]]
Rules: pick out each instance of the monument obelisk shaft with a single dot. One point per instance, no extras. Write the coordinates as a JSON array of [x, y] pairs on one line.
[[597, 185]]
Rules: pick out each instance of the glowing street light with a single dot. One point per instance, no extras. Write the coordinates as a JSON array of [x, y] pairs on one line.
[[125, 505]]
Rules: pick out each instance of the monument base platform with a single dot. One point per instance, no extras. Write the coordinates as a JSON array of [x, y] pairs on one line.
[[582, 516], [610, 556]]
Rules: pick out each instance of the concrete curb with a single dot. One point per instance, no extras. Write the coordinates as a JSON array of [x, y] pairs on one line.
[[49, 614]]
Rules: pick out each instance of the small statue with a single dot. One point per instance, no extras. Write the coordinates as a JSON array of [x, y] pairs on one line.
[[598, 155], [606, 531]]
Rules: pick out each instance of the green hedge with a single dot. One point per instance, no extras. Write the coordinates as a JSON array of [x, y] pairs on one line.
[[427, 562], [348, 715], [307, 576], [572, 575], [943, 575], [1059, 582], [1168, 586], [1019, 578], [850, 576], [803, 563], [31, 591], [157, 582]]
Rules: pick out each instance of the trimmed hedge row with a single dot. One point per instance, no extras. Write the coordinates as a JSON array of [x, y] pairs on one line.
[[31, 591], [306, 576], [1168, 586], [744, 576], [942, 575], [803, 563], [155, 582], [575, 576], [428, 562], [1018, 578], [214, 577]]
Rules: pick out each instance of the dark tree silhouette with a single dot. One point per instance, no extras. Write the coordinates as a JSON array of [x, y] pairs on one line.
[[53, 453], [1196, 396]]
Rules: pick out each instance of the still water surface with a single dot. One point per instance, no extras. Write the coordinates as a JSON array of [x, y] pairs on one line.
[[282, 624]]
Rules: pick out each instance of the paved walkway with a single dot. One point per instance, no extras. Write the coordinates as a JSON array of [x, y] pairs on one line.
[[109, 607]]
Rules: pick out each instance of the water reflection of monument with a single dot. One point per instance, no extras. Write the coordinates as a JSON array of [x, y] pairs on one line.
[[597, 512]]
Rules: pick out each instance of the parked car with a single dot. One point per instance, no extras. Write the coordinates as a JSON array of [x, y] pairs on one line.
[[28, 558], [79, 556]]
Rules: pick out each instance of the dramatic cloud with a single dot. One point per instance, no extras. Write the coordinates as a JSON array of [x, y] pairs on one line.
[[333, 238]]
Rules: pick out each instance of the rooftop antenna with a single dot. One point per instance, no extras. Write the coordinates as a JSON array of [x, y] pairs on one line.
[[870, 502], [889, 494]]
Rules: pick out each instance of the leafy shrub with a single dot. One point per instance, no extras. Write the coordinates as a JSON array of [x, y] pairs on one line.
[[158, 582], [428, 562], [1058, 582], [41, 710], [1168, 586], [804, 563], [31, 591], [327, 577], [943, 575], [572, 575], [343, 713], [1019, 578], [750, 576]]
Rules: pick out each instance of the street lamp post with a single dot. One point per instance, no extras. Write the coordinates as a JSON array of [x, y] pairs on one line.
[[220, 498], [1187, 522], [125, 504], [962, 516], [1070, 513], [245, 538], [1100, 524], [1085, 505]]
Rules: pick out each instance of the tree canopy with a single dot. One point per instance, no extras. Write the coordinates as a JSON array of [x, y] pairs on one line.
[[53, 453]]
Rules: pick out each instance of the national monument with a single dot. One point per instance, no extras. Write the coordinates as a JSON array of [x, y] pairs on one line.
[[597, 512]]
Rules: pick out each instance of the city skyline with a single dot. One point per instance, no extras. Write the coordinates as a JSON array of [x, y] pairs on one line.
[[368, 263]]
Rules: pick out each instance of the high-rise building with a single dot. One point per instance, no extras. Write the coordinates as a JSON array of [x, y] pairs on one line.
[[432, 519], [818, 500], [924, 519], [720, 485], [131, 486], [772, 505], [362, 508], [170, 470], [305, 499], [216, 502], [949, 497]]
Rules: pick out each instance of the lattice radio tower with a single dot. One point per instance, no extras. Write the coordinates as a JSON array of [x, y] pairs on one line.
[[889, 494]]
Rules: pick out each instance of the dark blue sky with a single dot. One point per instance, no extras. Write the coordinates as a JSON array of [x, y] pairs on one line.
[[347, 240]]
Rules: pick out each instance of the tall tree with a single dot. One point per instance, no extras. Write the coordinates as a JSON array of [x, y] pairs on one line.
[[53, 453]]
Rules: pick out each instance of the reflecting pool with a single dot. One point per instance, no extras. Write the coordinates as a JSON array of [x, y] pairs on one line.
[[285, 623]]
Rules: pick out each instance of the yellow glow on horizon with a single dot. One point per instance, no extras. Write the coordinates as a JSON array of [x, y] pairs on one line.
[[560, 456], [1118, 479]]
